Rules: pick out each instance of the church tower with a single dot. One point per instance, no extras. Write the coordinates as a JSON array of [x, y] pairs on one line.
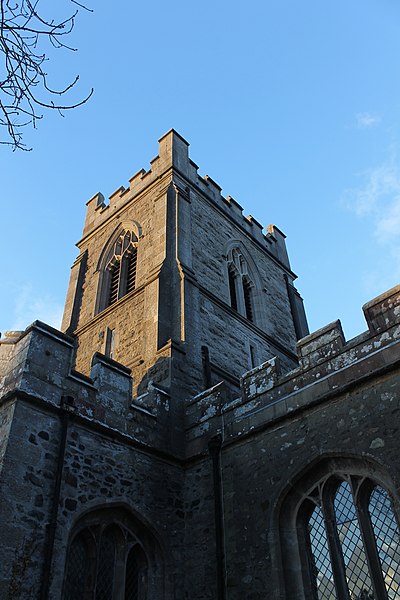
[[175, 283], [178, 440]]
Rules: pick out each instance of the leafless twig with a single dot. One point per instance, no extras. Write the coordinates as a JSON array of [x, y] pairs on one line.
[[24, 84]]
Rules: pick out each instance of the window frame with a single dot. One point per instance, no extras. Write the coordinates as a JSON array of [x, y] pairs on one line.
[[129, 534], [295, 511], [116, 256], [241, 285]]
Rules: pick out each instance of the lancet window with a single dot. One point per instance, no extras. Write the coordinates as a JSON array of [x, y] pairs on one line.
[[240, 284]]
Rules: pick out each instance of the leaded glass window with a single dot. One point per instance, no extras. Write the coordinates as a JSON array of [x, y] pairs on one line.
[[339, 533], [386, 533], [321, 566], [353, 540], [136, 573], [106, 566], [105, 562], [355, 560], [76, 575]]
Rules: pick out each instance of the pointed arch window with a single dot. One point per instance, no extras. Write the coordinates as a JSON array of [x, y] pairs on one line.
[[118, 270], [106, 561], [240, 285], [352, 536]]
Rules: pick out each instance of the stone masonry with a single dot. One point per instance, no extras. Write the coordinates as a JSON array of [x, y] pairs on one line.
[[170, 435]]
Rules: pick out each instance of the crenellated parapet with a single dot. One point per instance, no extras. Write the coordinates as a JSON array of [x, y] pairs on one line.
[[36, 366], [329, 366], [174, 154]]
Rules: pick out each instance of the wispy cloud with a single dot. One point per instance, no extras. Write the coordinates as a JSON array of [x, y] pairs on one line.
[[31, 306], [367, 119], [377, 201], [378, 197]]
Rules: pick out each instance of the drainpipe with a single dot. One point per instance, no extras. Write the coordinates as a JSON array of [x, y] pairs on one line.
[[214, 447], [67, 406]]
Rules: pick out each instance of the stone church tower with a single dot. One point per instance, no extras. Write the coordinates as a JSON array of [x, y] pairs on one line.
[[183, 436], [176, 284]]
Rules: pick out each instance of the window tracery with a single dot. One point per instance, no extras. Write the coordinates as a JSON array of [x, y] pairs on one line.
[[240, 284], [106, 561], [118, 269], [352, 536]]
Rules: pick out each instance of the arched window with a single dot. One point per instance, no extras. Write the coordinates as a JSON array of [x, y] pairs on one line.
[[352, 536], [240, 284], [117, 268], [106, 560]]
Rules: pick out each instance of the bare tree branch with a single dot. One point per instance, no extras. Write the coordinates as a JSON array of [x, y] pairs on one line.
[[24, 87]]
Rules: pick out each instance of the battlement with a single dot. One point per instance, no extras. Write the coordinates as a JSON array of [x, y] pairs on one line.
[[174, 154], [36, 365], [328, 366]]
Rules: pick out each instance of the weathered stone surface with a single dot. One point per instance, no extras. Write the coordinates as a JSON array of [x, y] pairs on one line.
[[85, 435]]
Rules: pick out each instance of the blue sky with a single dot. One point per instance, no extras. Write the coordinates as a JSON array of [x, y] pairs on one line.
[[292, 107]]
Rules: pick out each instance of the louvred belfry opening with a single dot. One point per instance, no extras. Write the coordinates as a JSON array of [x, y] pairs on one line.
[[131, 275], [119, 270], [114, 283]]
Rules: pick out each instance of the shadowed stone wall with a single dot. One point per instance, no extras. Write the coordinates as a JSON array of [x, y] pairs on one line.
[[208, 461]]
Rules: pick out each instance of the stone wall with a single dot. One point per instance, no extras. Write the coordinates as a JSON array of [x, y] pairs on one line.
[[213, 477], [340, 408], [182, 290], [117, 454]]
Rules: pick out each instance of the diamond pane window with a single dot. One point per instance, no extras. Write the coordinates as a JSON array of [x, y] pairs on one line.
[[106, 560], [348, 535], [355, 560], [321, 562], [132, 576], [106, 566], [77, 569], [386, 534]]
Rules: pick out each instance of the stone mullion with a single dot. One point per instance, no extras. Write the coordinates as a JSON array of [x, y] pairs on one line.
[[335, 548], [371, 551]]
